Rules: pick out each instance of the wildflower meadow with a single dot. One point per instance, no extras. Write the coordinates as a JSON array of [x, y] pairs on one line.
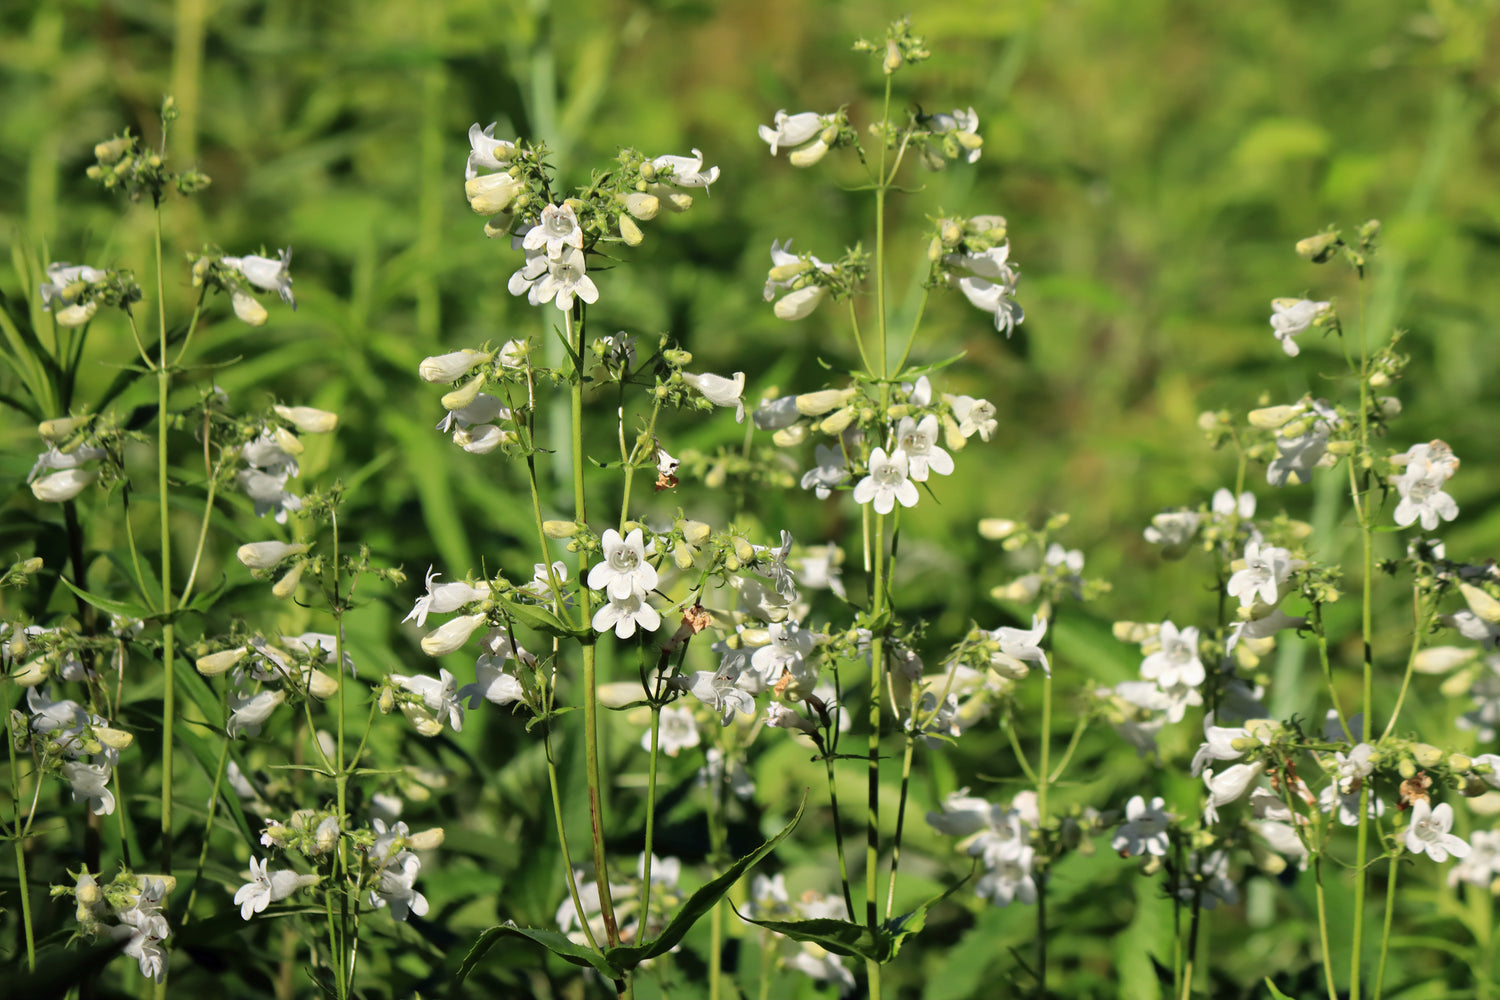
[[749, 501]]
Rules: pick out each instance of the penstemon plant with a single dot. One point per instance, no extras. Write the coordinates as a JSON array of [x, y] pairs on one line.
[[672, 669]]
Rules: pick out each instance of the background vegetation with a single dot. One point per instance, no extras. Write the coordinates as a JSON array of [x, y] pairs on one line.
[[1156, 161]]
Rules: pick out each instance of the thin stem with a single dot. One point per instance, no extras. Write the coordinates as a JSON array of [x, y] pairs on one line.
[[169, 628], [1323, 927], [1411, 661], [1040, 879], [19, 840], [1385, 930], [650, 814], [562, 833], [585, 602], [208, 827], [838, 836]]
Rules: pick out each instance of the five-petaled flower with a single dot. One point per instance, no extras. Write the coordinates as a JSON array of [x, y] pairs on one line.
[[1428, 833], [888, 482]]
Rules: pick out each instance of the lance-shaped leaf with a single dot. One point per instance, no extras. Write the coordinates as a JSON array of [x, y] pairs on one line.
[[554, 941], [539, 618]]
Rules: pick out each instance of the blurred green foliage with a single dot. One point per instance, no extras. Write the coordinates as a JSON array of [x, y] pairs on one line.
[[1156, 162]]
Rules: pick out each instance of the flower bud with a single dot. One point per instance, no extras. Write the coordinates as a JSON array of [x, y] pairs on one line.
[[559, 529], [287, 441], [464, 395], [836, 422], [1340, 448], [32, 565], [892, 61], [1272, 418], [77, 314], [1459, 684], [115, 739], [452, 635], [680, 201], [54, 431], [265, 555], [630, 232], [386, 701], [677, 357], [696, 532], [326, 836], [1427, 755], [426, 840], [215, 664], [1481, 603], [320, 685], [1135, 632], [450, 367], [1406, 768], [950, 232], [806, 156], [33, 673], [287, 585], [790, 437], [743, 549], [307, 419], [1441, 659], [1460, 762], [110, 150], [642, 206], [996, 528], [492, 194], [1318, 248], [248, 308]]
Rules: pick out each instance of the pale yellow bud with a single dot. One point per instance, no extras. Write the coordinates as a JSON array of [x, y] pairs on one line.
[[320, 685], [1271, 418], [215, 664], [630, 232], [1427, 755], [57, 430], [77, 314], [1459, 684], [464, 395], [1135, 632], [110, 150], [996, 528], [836, 422], [1441, 659], [680, 200], [386, 701], [1481, 603], [790, 437], [559, 529], [287, 441], [892, 61], [1340, 448], [806, 156], [1460, 762], [786, 272], [696, 532], [642, 206], [307, 419], [426, 840], [115, 739], [743, 549], [248, 308], [33, 673]]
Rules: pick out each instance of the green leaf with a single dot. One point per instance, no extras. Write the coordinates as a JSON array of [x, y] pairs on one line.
[[542, 620], [1275, 993], [838, 936], [898, 929], [125, 609], [700, 902], [616, 963], [917, 370], [554, 941]]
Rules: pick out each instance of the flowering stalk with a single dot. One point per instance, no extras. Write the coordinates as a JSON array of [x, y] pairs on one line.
[[169, 628], [18, 839]]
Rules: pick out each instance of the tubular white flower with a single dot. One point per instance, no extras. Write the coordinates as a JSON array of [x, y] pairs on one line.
[[308, 419], [1290, 317], [919, 441], [491, 194], [791, 130], [1023, 644], [248, 308], [624, 570], [1176, 662], [248, 713], [450, 367], [62, 276], [557, 229], [687, 171], [91, 786], [486, 151], [799, 304], [64, 485], [624, 615], [720, 391], [266, 887], [267, 274]]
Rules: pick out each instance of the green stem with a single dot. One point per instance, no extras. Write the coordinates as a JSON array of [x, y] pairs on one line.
[[562, 833], [650, 813], [585, 608], [838, 835], [169, 628], [19, 840], [890, 896], [1323, 926], [208, 827], [1385, 930], [1418, 620]]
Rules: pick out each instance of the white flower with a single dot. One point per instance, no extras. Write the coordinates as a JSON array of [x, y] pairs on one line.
[[397, 887], [720, 690], [789, 272], [267, 274], [65, 485], [545, 279], [1436, 453], [1428, 833], [1173, 531], [1144, 830], [919, 441], [1022, 645], [558, 228], [1266, 570], [685, 171], [1176, 662], [829, 472], [887, 482], [1218, 744], [1227, 787], [1482, 865], [676, 732], [720, 391], [780, 716], [491, 194], [1226, 506], [439, 697], [248, 308], [249, 712], [1297, 456], [788, 650], [486, 151], [445, 597], [61, 276], [792, 130], [974, 416], [624, 615], [308, 419], [1009, 880], [266, 887], [988, 280], [1355, 767], [1212, 885], [493, 683], [91, 786], [624, 570], [1290, 317], [1422, 495], [964, 125]]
